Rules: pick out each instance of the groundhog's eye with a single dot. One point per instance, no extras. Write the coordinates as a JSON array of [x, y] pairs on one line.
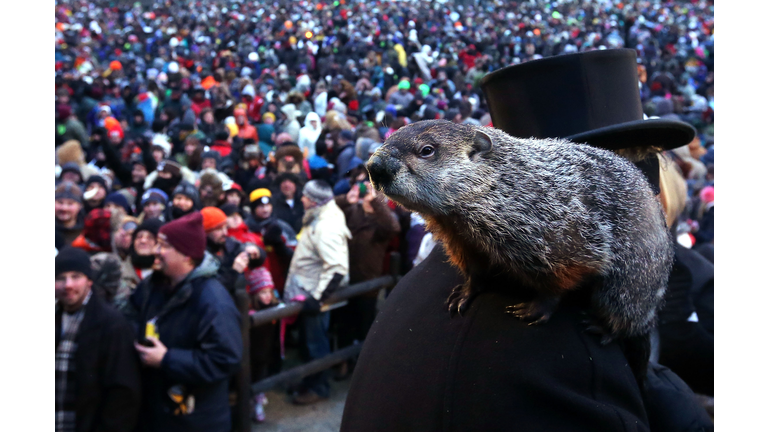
[[426, 151]]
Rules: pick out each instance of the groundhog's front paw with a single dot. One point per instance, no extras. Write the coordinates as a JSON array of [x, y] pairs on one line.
[[458, 301], [537, 311]]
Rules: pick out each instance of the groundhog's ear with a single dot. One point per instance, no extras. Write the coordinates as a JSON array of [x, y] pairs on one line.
[[481, 145]]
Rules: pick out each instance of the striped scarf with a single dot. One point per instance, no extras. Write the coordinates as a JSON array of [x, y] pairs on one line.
[[66, 393]]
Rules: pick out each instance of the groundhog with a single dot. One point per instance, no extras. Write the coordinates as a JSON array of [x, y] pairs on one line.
[[548, 215]]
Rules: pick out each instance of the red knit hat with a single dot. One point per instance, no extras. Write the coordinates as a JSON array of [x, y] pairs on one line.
[[186, 235], [213, 217]]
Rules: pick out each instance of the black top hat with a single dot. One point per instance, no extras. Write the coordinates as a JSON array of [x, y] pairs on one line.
[[590, 97]]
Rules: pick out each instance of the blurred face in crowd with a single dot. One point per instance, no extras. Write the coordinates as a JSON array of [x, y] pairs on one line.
[[218, 235], [233, 198], [190, 148], [71, 289], [138, 120], [66, 211], [209, 163], [113, 208], [114, 138], [124, 234], [145, 243], [208, 117], [100, 193], [207, 194], [234, 221], [158, 155], [263, 211], [170, 261], [72, 177], [308, 203], [183, 202], [153, 209], [138, 173], [265, 296], [288, 188]]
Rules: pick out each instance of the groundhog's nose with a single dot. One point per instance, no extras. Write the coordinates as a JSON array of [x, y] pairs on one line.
[[379, 171]]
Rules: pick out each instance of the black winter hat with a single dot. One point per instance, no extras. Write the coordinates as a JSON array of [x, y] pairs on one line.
[[71, 167], [73, 259], [152, 225], [230, 209], [97, 179]]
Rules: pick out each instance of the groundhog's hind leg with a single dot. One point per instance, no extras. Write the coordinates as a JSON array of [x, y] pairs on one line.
[[460, 298]]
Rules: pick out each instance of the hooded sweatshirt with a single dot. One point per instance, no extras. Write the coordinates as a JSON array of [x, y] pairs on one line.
[[292, 125], [308, 135]]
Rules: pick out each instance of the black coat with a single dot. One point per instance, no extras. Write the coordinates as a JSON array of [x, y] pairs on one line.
[[687, 346], [107, 370], [281, 210], [420, 370], [200, 325]]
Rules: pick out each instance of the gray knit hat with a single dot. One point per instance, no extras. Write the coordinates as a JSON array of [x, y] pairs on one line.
[[318, 191]]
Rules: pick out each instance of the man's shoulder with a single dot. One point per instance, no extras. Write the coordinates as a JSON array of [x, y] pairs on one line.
[[212, 293]]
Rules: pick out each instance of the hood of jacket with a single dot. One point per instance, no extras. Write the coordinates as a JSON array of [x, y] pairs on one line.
[[208, 268]]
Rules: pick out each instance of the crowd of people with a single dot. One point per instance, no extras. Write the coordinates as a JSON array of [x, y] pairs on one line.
[[211, 146]]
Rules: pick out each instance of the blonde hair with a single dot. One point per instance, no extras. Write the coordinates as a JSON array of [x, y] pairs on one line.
[[674, 190]]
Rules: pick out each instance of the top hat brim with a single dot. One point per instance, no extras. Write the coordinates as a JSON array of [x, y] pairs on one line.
[[665, 134]]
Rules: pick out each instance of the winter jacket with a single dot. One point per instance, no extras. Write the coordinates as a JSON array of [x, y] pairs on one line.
[[70, 234], [308, 136], [485, 370], [107, 369], [199, 324], [321, 253], [371, 234], [292, 215]]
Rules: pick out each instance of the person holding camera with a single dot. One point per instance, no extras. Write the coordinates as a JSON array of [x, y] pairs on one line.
[[234, 257]]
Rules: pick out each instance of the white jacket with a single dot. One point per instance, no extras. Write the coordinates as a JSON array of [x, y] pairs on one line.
[[322, 251]]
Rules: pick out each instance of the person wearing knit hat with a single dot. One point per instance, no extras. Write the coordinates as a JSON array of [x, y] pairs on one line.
[[141, 258], [258, 194], [184, 200], [153, 203], [70, 171], [190, 333], [234, 257], [96, 190], [319, 266], [69, 215], [104, 394], [316, 193], [187, 237], [115, 201]]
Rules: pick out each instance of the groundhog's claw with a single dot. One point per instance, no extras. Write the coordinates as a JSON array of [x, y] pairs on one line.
[[537, 311], [529, 311], [458, 301]]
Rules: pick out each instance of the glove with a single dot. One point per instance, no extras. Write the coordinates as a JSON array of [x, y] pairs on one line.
[[311, 306]]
